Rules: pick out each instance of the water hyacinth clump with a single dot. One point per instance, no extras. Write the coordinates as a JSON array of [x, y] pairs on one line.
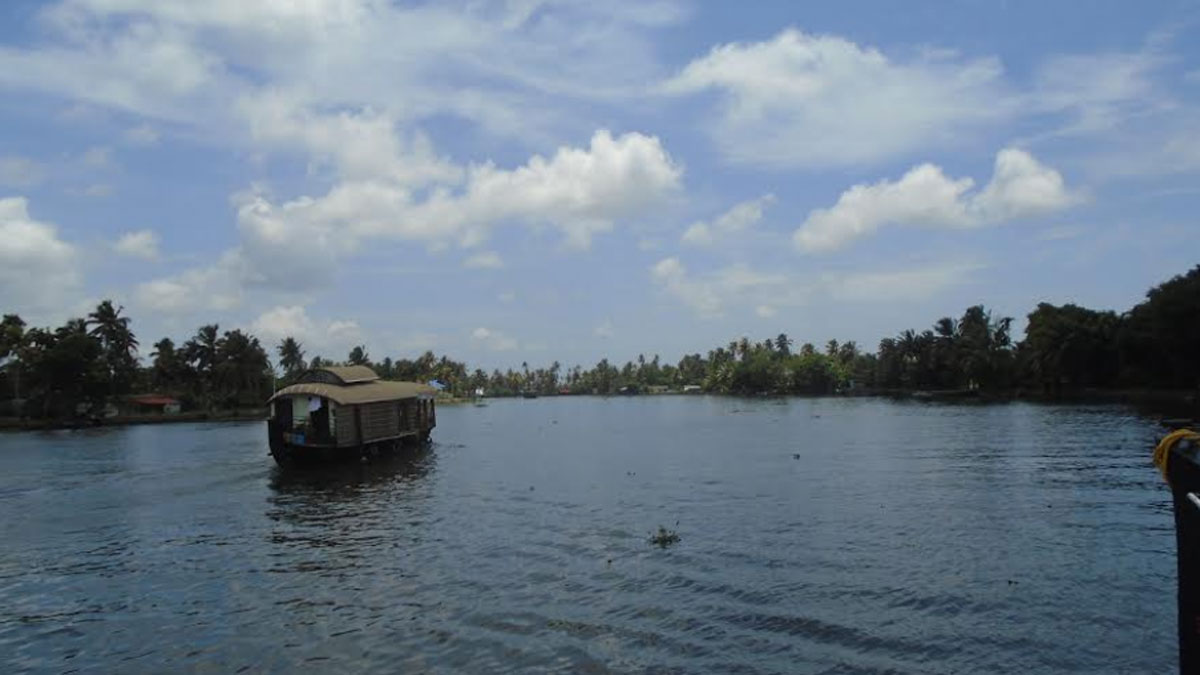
[[664, 537]]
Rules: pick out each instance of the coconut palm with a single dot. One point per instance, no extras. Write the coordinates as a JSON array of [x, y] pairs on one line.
[[243, 371], [783, 344], [12, 333], [118, 342], [200, 355], [168, 365], [358, 356], [291, 356]]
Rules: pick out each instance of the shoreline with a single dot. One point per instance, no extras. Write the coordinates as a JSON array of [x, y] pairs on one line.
[[33, 424], [1166, 404]]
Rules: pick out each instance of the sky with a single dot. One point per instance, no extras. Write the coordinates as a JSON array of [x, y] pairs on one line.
[[539, 180]]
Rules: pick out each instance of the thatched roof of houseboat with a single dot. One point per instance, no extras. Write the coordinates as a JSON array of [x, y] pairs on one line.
[[362, 392], [339, 375]]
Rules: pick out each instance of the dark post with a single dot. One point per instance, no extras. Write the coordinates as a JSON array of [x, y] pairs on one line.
[[358, 424], [1183, 474]]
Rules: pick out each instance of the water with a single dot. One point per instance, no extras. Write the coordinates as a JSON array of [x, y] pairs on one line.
[[818, 536]]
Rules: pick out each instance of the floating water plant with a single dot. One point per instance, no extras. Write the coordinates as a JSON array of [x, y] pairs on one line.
[[664, 537]]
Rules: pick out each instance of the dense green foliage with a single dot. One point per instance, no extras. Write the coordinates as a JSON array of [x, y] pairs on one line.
[[1156, 344], [85, 364]]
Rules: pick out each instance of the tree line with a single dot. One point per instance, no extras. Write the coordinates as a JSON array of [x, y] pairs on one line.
[[92, 361], [1156, 344]]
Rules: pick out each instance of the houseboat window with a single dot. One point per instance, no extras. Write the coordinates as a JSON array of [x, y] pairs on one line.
[[299, 411], [318, 417]]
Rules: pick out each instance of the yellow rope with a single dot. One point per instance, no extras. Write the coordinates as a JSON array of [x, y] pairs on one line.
[[1163, 450]]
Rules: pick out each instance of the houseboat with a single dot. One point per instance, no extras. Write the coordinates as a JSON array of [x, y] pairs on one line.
[[347, 413]]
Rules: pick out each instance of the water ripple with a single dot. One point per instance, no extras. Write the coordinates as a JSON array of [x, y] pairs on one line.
[[830, 536]]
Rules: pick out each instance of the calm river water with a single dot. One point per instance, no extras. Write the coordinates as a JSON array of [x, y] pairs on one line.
[[818, 536]]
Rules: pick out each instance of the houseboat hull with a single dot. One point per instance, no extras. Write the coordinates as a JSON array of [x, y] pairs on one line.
[[288, 453]]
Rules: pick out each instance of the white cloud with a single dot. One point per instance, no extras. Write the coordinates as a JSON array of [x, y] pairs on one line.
[[1060, 232], [918, 283], [96, 157], [97, 190], [143, 134], [489, 260], [737, 219], [328, 338], [148, 67], [20, 172], [502, 68], [579, 191], [38, 269], [139, 244], [278, 323], [507, 297], [215, 287], [604, 330], [414, 343], [697, 234], [493, 340], [359, 145], [1020, 186], [347, 84], [1098, 91], [821, 100], [344, 332], [708, 296], [711, 295]]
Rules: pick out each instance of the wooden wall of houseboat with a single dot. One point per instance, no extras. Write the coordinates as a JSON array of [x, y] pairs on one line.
[[379, 420], [346, 430], [408, 418], [382, 420]]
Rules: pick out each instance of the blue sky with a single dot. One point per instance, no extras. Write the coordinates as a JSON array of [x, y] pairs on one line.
[[554, 180]]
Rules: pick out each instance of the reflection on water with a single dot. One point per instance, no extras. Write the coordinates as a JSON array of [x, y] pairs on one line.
[[353, 478], [818, 536]]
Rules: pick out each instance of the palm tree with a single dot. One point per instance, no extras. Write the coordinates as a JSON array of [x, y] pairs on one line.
[[291, 356], [243, 370], [984, 346], [167, 364], [358, 356], [12, 338], [119, 344], [200, 355], [945, 327], [12, 333], [848, 352], [783, 345]]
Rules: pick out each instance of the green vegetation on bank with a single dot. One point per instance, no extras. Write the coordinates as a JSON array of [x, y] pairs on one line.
[[92, 362]]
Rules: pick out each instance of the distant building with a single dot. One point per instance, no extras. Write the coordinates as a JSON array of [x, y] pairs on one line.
[[154, 404], [691, 389]]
